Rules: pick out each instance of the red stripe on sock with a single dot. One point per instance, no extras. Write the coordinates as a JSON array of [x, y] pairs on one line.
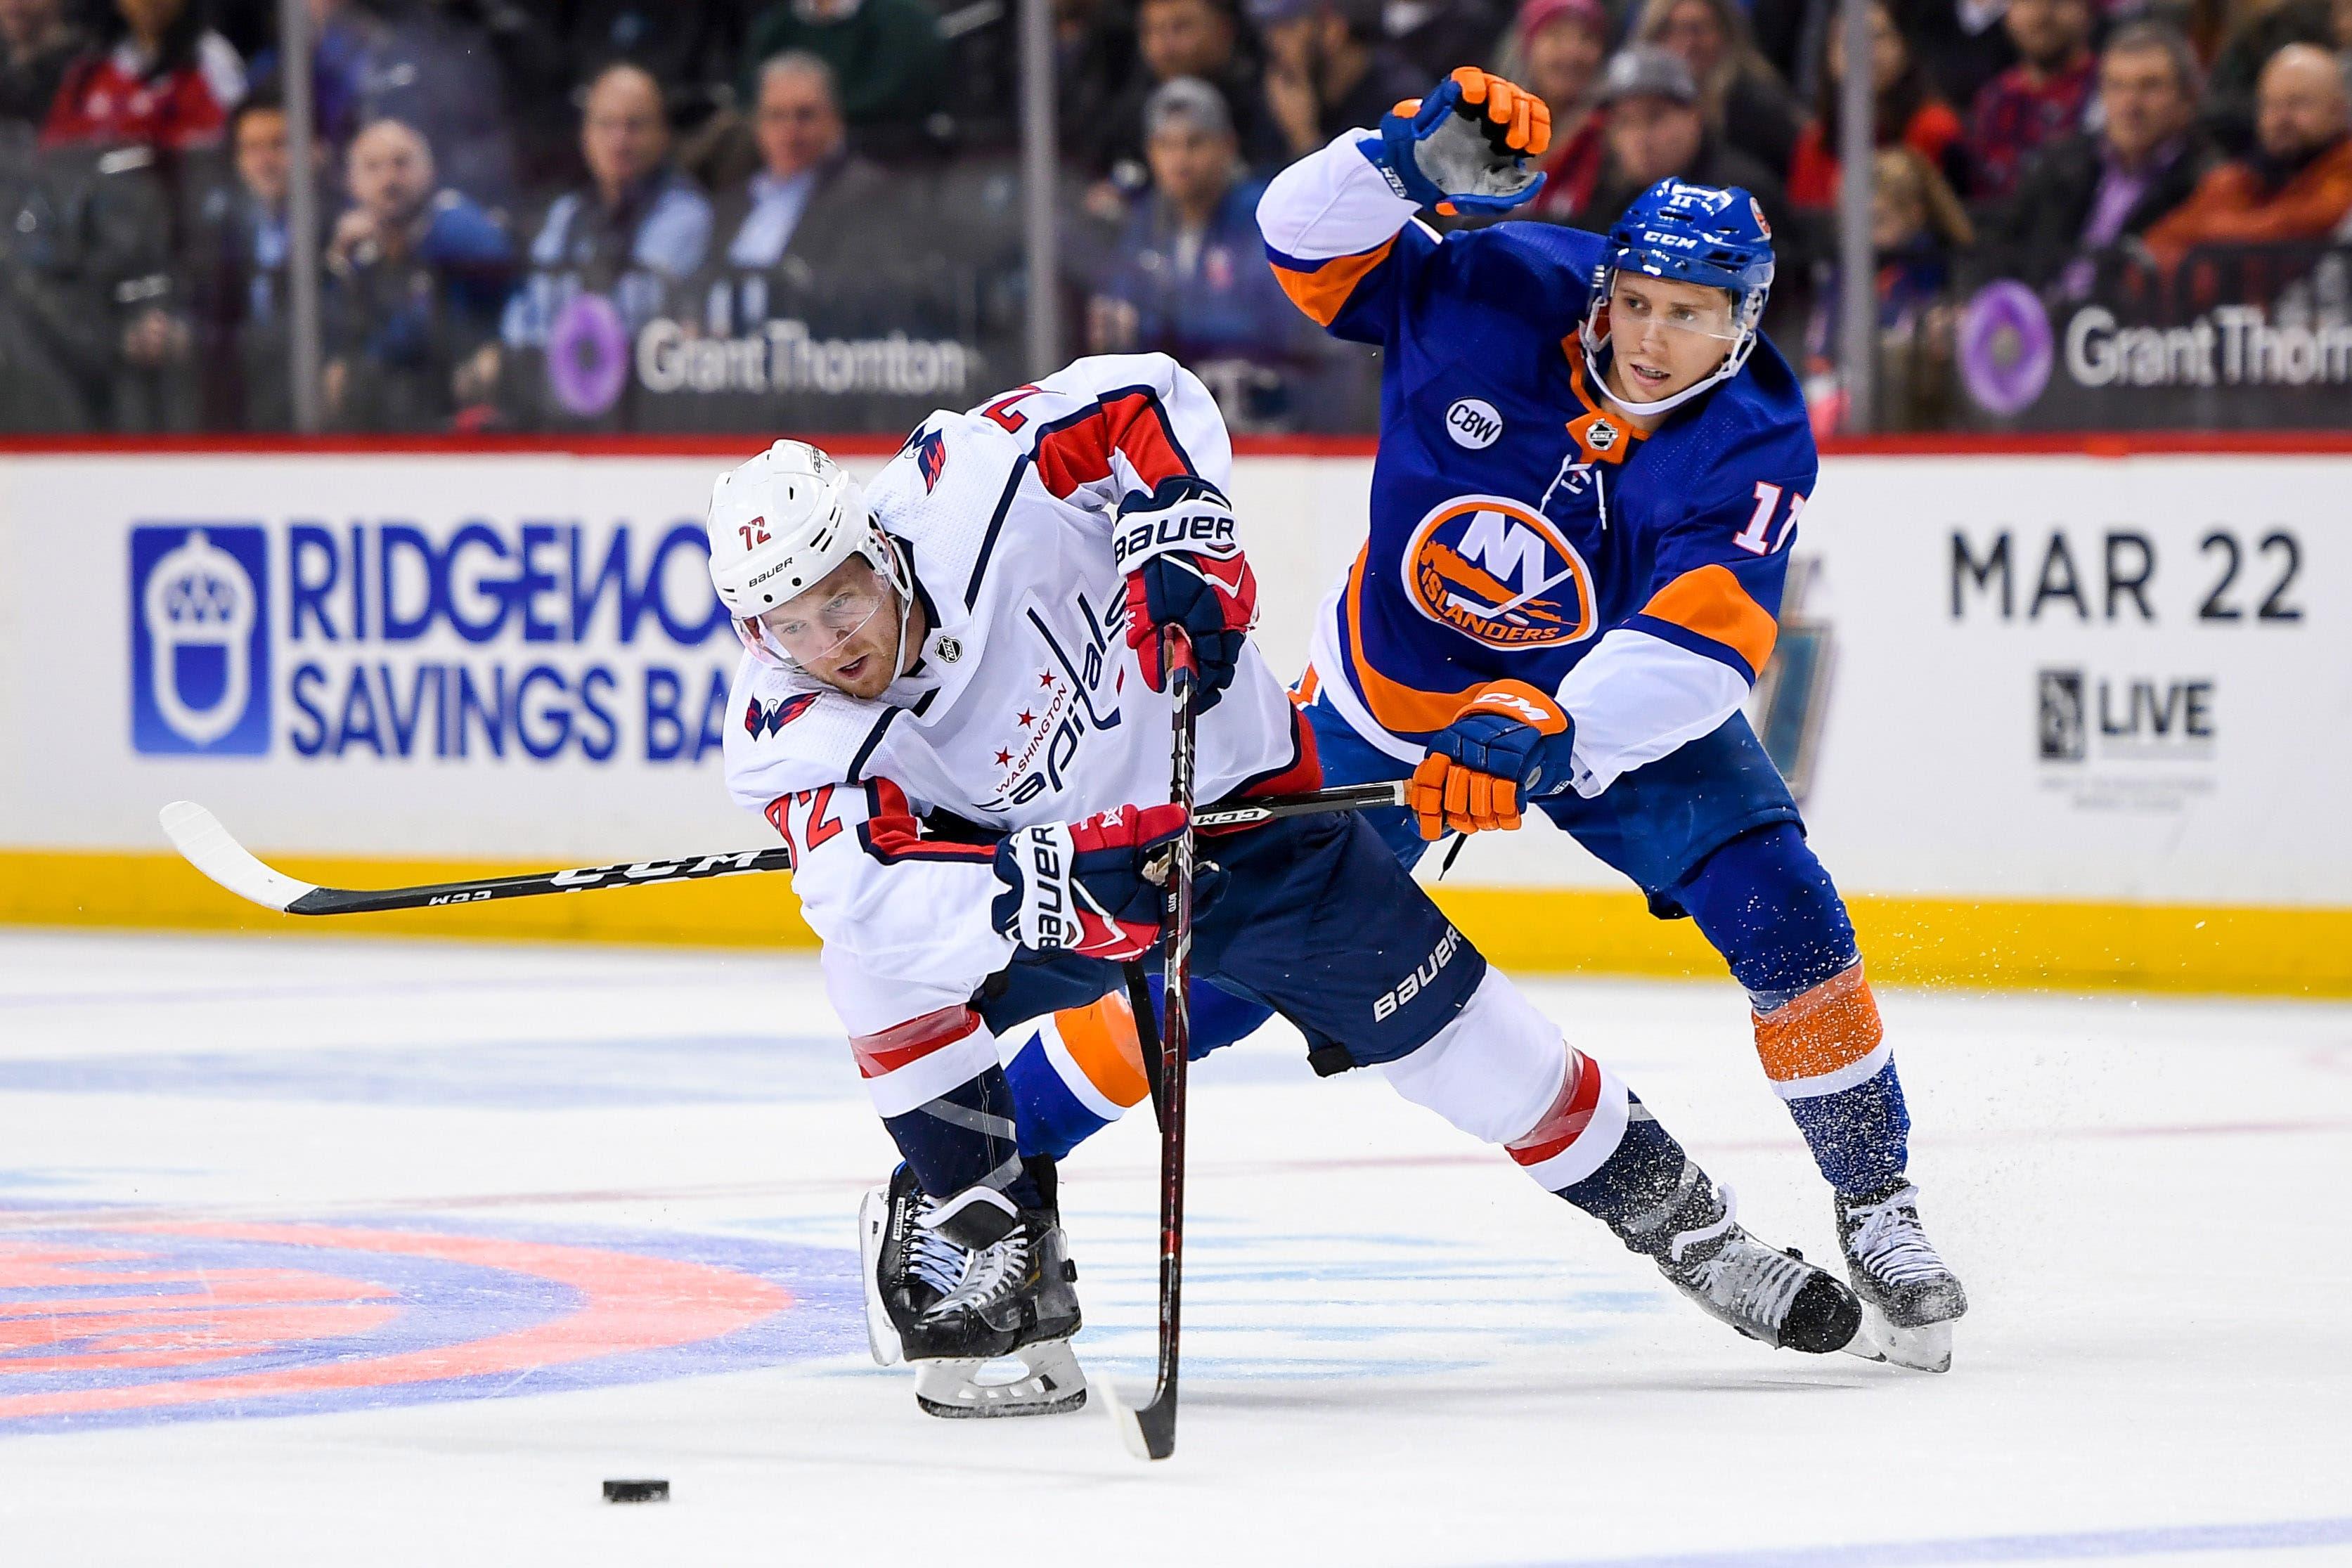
[[912, 1040], [1562, 1125]]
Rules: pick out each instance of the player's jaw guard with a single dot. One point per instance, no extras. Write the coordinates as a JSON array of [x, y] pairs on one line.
[[1711, 235]]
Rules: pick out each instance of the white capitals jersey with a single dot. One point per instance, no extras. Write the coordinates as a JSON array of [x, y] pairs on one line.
[[1026, 706]]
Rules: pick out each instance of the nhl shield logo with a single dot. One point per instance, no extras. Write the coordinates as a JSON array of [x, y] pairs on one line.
[[1500, 572]]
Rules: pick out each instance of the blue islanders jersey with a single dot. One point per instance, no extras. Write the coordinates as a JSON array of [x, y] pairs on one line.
[[1522, 528]]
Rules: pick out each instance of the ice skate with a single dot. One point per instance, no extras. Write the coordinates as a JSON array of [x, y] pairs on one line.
[[1766, 1294], [952, 1311], [1910, 1297]]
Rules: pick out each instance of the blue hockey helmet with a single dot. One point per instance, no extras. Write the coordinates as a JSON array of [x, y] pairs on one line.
[[1710, 234]]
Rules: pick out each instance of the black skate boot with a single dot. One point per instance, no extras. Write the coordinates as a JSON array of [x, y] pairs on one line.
[[1768, 1295], [1910, 1298], [952, 1287]]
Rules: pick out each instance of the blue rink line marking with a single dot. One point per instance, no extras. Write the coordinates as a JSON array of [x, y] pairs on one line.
[[551, 1074], [2274, 1535]]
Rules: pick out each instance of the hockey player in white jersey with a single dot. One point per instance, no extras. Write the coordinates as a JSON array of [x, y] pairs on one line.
[[951, 706]]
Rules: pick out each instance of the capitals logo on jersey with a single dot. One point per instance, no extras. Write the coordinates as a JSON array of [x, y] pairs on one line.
[[1500, 572]]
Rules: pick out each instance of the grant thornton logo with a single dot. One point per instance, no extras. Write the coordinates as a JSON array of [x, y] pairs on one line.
[[199, 640]]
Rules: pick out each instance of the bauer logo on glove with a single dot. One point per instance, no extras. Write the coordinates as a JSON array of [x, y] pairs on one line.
[[1184, 568], [1096, 887]]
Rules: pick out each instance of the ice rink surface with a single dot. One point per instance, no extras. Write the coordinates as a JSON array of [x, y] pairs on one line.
[[364, 1252]]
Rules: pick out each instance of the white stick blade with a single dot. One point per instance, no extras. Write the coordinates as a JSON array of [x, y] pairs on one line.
[[1101, 1390], [198, 834]]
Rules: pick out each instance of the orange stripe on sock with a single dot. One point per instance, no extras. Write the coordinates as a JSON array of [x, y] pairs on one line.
[[1834, 1025], [1324, 292], [1101, 1038], [1711, 602]]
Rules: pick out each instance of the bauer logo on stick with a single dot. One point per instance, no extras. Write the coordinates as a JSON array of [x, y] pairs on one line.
[[199, 640]]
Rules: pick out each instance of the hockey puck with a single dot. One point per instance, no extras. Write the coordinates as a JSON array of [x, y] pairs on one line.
[[636, 1491]]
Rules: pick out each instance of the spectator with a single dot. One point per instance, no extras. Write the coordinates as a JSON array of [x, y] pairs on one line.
[[1961, 44], [1746, 100], [1657, 129], [1908, 113], [1565, 43], [417, 276], [239, 250], [887, 55], [1179, 39], [1436, 36], [635, 229], [2258, 30], [1191, 278], [2297, 185], [166, 80], [2035, 101], [1327, 69], [36, 44], [1917, 228], [342, 39], [425, 64], [685, 45], [2087, 192], [812, 198]]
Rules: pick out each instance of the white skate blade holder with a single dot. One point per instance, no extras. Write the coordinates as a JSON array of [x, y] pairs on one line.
[[1927, 1348], [1047, 1382]]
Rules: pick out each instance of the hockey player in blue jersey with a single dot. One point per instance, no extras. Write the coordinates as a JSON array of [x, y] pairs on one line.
[[1592, 468]]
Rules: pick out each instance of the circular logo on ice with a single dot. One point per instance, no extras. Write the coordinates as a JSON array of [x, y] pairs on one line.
[[146, 1321], [1473, 422], [2005, 347], [1500, 572], [200, 639]]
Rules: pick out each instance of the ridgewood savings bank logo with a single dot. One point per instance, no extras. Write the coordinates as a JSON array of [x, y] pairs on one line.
[[538, 640], [200, 640]]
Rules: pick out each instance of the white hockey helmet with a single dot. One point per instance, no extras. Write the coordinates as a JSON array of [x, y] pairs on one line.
[[778, 525]]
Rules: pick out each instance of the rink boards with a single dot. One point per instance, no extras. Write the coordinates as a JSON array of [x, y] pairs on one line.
[[2055, 718]]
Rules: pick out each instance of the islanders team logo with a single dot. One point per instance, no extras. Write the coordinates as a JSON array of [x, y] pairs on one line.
[[1500, 572], [110, 1320]]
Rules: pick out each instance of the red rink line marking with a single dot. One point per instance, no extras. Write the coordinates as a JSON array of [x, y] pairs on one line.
[[106, 1216]]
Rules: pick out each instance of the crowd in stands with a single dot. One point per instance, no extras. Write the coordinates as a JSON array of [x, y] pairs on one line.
[[571, 214]]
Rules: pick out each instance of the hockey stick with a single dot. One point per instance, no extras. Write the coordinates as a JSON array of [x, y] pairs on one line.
[[199, 836], [1149, 1432]]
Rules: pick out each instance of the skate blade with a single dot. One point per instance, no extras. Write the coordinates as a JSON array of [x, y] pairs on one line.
[[881, 1334], [1048, 1383], [1927, 1348]]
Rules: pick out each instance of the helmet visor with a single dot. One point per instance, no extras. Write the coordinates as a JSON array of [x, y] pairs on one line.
[[1637, 304], [812, 626]]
